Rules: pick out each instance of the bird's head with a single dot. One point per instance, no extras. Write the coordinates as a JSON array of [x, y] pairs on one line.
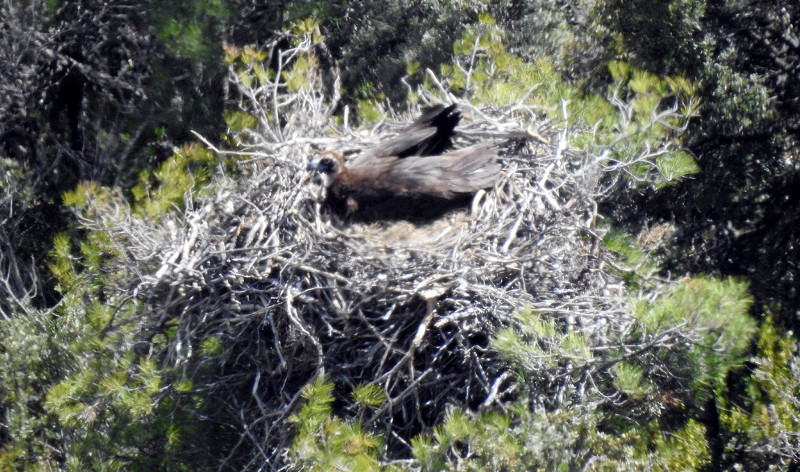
[[329, 165]]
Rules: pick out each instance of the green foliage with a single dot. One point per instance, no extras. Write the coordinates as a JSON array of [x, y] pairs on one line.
[[486, 441], [368, 395], [31, 358], [82, 399], [716, 312], [12, 174], [684, 450], [186, 26], [719, 304], [187, 171], [309, 27], [758, 407], [487, 74], [369, 111], [91, 264], [74, 382], [696, 332], [211, 346], [763, 420], [634, 127], [378, 38], [674, 166], [88, 380], [628, 379], [249, 62], [73, 377], [540, 344], [635, 266], [302, 73], [61, 262], [303, 14], [661, 36], [324, 443], [742, 101], [239, 120], [107, 389], [568, 438], [98, 91], [644, 122], [744, 137]]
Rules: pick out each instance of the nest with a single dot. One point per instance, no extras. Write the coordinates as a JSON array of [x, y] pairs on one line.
[[293, 292]]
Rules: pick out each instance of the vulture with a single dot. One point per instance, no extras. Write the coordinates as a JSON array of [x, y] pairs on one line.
[[416, 174]]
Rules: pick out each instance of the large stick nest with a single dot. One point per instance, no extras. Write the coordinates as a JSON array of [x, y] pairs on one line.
[[293, 292]]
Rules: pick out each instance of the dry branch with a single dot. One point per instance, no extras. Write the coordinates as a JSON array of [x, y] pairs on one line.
[[292, 292], [295, 292]]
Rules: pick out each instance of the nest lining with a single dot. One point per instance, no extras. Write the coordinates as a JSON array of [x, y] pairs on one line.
[[293, 292]]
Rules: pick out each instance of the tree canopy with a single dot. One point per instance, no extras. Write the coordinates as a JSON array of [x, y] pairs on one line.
[[175, 295]]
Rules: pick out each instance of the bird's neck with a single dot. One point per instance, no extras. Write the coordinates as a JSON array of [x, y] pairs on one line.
[[328, 179]]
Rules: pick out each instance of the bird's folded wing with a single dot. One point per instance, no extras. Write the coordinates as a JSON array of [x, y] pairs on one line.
[[464, 171], [430, 134], [406, 143]]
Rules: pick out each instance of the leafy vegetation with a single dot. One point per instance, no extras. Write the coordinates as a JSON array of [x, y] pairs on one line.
[[660, 333]]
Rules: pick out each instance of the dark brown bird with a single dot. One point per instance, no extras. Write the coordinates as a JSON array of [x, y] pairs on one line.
[[410, 175]]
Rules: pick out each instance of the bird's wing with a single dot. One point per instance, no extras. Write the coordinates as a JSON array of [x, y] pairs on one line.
[[431, 114], [430, 134], [464, 171], [400, 145]]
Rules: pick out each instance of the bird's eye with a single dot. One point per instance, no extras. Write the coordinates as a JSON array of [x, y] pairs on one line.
[[326, 164]]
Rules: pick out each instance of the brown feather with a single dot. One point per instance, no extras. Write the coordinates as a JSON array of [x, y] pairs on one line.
[[429, 135], [463, 171], [387, 177]]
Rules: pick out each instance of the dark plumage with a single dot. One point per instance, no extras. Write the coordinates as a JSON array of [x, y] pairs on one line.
[[430, 134], [410, 174]]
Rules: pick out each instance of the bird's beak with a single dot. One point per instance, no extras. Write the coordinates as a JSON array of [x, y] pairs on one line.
[[313, 165]]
